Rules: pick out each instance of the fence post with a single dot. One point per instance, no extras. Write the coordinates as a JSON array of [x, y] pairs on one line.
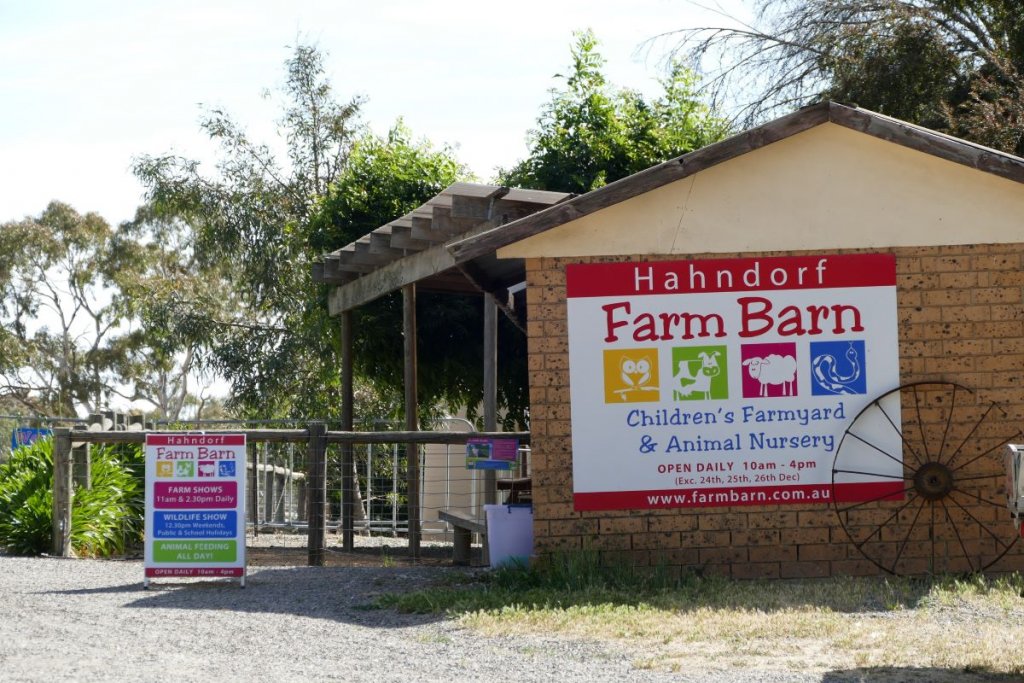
[[63, 488], [82, 461], [317, 497]]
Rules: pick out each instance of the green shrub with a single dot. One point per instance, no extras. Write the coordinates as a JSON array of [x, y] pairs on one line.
[[105, 519]]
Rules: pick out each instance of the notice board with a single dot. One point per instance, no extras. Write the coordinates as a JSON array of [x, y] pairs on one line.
[[728, 381], [195, 505]]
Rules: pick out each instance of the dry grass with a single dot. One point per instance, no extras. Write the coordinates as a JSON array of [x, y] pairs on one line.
[[946, 625]]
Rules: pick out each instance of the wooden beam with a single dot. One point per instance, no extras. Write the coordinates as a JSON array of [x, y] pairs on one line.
[[389, 278], [500, 294], [401, 238], [346, 260], [928, 141], [474, 190], [423, 229], [329, 272], [444, 223], [380, 243], [365, 255], [476, 206]]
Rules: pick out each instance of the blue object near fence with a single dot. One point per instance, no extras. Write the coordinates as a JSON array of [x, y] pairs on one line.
[[24, 436]]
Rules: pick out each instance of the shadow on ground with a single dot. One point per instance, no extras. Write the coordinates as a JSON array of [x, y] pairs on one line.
[[916, 675], [343, 594]]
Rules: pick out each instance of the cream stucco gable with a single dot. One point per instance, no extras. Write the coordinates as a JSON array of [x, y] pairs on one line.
[[828, 187]]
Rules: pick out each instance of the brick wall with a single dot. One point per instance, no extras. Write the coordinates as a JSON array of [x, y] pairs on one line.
[[961, 319]]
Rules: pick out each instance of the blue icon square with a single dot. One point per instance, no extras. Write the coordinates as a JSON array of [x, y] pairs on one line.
[[226, 469], [838, 368]]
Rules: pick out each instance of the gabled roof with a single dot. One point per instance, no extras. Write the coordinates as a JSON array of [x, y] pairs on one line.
[[450, 242], [877, 125]]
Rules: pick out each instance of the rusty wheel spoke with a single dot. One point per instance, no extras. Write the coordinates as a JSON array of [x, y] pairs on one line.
[[978, 457], [910, 532], [979, 523], [875, 474], [871, 445], [920, 426], [1001, 506], [878, 529], [956, 530], [875, 500], [903, 438]]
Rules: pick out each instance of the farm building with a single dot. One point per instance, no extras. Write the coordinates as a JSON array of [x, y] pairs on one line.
[[797, 352]]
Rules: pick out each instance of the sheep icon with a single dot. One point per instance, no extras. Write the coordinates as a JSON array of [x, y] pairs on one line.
[[773, 370]]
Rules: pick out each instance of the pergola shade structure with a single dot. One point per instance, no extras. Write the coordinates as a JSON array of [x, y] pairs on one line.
[[414, 248], [410, 253]]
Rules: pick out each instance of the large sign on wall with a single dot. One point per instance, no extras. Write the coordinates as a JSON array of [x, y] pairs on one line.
[[195, 505], [729, 382]]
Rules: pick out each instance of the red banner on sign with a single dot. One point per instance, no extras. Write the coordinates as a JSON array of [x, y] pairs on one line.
[[195, 495], [745, 495], [152, 572], [730, 275]]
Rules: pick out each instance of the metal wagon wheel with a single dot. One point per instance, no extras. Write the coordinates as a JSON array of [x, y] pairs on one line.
[[943, 507]]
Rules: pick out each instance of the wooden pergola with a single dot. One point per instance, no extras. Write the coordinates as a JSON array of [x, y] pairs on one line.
[[414, 253]]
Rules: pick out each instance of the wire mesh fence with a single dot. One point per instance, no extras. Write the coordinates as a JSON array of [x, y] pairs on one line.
[[278, 481], [278, 475], [21, 430]]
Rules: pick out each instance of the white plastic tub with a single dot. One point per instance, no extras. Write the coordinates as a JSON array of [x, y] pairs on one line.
[[509, 533]]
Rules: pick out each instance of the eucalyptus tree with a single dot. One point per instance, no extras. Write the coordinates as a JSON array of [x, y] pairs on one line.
[[952, 65], [61, 312], [247, 221]]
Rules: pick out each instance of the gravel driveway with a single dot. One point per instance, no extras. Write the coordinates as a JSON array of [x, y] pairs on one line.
[[89, 620]]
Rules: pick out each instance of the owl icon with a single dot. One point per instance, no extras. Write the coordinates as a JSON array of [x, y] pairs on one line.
[[631, 375], [636, 374]]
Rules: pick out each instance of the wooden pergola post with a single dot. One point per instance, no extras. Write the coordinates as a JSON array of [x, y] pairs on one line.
[[348, 487], [490, 387], [411, 416]]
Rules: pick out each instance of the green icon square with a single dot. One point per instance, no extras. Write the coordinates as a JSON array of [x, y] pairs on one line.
[[699, 373]]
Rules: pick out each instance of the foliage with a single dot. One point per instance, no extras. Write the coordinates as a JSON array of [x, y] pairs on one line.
[[68, 343], [589, 135], [263, 325], [56, 324], [952, 65], [387, 177], [252, 311], [105, 518]]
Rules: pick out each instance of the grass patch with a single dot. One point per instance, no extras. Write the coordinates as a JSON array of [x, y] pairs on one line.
[[673, 623]]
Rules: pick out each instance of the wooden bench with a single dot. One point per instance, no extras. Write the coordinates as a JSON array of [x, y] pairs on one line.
[[462, 526]]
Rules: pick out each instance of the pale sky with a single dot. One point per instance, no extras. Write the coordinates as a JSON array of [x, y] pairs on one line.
[[86, 85]]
